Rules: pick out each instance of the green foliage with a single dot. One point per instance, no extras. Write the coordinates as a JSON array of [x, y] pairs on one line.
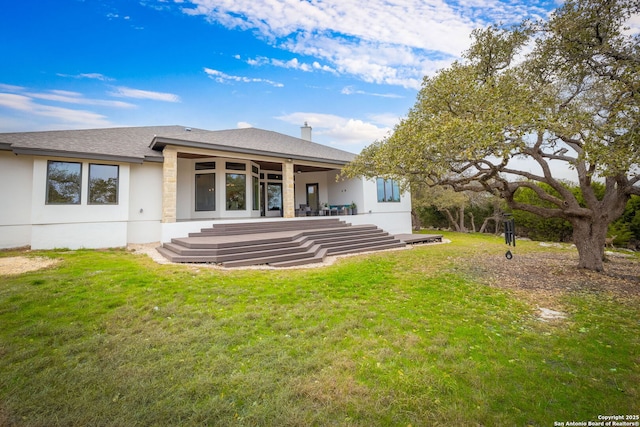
[[621, 231], [536, 227], [431, 216], [630, 221]]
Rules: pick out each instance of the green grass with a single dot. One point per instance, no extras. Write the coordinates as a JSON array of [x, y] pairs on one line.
[[397, 338]]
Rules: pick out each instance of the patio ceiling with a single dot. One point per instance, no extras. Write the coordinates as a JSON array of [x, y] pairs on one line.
[[272, 166]]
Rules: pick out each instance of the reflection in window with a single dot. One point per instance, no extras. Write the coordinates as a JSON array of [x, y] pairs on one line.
[[388, 190], [274, 197], [206, 192], [256, 193], [64, 181], [236, 191], [236, 166], [103, 184], [205, 165]]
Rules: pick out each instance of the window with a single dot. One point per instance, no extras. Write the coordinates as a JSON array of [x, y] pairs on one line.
[[312, 197], [236, 166], [256, 193], [206, 192], [64, 182], [274, 197], [205, 165], [103, 184], [388, 190], [236, 191]]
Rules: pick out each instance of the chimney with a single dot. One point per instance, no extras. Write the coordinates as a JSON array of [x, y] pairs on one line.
[[306, 132]]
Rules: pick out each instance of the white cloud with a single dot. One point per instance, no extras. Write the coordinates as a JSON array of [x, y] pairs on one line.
[[221, 77], [293, 63], [244, 125], [346, 133], [632, 26], [388, 120], [77, 98], [70, 117], [127, 92], [94, 76], [382, 41], [349, 90], [10, 88]]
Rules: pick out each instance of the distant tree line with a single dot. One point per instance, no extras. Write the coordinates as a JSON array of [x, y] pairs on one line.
[[441, 208]]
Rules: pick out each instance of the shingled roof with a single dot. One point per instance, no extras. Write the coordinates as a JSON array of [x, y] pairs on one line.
[[139, 144]]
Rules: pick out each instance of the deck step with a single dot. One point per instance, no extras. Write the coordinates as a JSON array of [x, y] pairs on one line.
[[276, 243], [267, 227]]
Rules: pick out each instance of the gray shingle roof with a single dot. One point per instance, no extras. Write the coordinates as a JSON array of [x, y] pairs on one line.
[[138, 144]]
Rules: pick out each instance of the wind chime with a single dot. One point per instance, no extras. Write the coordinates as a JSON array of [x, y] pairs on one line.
[[509, 234]]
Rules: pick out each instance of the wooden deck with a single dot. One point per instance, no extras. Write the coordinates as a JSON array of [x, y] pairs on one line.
[[277, 243], [412, 239]]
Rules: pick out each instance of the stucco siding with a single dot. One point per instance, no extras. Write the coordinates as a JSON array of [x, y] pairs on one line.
[[16, 174], [89, 235], [145, 206]]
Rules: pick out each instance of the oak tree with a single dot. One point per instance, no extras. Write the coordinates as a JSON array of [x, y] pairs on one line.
[[501, 120]]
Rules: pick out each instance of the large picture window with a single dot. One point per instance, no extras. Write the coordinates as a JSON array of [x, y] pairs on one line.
[[64, 182], [236, 191], [388, 190], [206, 192], [103, 184]]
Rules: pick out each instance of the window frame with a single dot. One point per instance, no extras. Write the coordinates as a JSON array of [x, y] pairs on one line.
[[389, 189], [269, 205], [242, 203], [90, 185], [211, 175], [48, 186], [256, 192]]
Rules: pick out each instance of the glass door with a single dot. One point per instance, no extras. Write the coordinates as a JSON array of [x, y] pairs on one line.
[[206, 192], [313, 200]]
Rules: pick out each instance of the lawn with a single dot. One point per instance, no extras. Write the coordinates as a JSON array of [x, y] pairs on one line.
[[414, 337]]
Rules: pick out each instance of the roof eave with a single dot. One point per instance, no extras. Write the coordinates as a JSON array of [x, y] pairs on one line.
[[158, 143], [77, 155]]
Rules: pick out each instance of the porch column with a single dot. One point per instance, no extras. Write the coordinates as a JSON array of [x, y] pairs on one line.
[[288, 196], [169, 184]]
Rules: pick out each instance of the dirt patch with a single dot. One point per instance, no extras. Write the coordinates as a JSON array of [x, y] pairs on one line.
[[544, 276], [22, 264]]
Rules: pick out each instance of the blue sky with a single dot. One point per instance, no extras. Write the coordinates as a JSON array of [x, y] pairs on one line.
[[350, 68]]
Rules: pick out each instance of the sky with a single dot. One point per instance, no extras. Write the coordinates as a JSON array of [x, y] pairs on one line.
[[351, 69]]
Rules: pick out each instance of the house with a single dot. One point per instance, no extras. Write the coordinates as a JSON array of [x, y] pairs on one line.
[[99, 188]]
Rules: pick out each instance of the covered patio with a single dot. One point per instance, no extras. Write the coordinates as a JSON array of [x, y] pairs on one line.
[[204, 181]]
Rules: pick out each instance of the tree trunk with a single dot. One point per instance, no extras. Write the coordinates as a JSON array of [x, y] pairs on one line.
[[415, 219], [452, 220], [589, 238], [473, 222], [483, 227], [462, 228]]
